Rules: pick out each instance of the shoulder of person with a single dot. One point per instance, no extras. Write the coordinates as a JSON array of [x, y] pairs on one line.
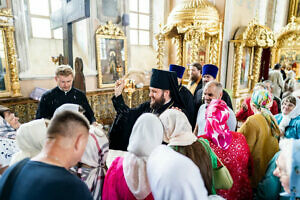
[[77, 91]]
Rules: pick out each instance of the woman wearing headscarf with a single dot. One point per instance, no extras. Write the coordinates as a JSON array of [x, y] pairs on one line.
[[30, 139], [262, 133], [127, 177], [231, 148], [179, 136], [174, 176], [287, 168], [91, 168], [289, 119]]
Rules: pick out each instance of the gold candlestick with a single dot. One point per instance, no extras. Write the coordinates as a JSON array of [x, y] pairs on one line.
[[119, 70], [129, 89]]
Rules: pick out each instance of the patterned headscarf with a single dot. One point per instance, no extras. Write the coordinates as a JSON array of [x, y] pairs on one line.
[[262, 100], [216, 115]]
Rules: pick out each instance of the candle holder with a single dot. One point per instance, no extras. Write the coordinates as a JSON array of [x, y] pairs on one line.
[[129, 89], [119, 70]]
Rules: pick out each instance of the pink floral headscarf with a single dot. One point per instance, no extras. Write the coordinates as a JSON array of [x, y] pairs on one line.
[[216, 115]]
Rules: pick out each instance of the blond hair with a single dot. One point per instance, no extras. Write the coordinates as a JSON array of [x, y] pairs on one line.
[[64, 70]]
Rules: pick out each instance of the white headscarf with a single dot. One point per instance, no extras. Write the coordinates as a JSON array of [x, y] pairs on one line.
[[178, 130], [66, 106], [30, 139], [174, 176], [286, 119], [147, 133], [95, 155]]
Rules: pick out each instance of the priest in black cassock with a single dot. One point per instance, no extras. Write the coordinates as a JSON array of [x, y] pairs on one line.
[[163, 95], [63, 93], [185, 94]]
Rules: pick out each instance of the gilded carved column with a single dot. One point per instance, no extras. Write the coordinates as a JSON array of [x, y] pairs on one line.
[[214, 51], [237, 69], [194, 50], [178, 43], [160, 50], [256, 66], [12, 61]]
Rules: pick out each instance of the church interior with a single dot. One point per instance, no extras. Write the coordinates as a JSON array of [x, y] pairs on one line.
[[238, 113], [244, 38]]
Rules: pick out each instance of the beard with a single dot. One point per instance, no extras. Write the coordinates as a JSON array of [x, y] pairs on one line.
[[194, 78], [158, 103]]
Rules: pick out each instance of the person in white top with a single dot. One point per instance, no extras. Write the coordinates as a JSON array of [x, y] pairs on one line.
[[276, 77], [212, 90]]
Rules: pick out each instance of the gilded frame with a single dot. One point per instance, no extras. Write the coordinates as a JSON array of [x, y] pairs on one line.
[[11, 78], [294, 10], [288, 40], [116, 61], [256, 37]]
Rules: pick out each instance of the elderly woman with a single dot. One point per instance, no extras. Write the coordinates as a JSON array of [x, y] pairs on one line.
[[287, 169], [127, 177], [231, 148], [174, 176], [179, 136], [289, 119], [30, 139], [262, 133]]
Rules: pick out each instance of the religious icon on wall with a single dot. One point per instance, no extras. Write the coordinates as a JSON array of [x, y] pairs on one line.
[[112, 59], [245, 68]]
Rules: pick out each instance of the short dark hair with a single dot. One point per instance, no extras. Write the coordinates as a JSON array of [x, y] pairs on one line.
[[197, 65], [277, 66], [63, 124]]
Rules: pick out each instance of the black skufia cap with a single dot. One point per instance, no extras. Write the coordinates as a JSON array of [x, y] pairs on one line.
[[167, 80], [162, 79]]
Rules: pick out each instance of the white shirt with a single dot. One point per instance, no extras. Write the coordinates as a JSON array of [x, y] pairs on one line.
[[201, 122]]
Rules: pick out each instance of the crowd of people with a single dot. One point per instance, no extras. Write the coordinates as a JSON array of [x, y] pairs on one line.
[[185, 143]]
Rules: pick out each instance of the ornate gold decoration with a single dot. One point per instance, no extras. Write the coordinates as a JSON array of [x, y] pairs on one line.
[[129, 89], [160, 49], [110, 29], [6, 12], [178, 43], [238, 49], [288, 40], [109, 32], [197, 24], [12, 75], [293, 10], [256, 66], [256, 37]]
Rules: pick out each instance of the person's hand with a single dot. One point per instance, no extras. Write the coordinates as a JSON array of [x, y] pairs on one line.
[[176, 108], [245, 107], [119, 86]]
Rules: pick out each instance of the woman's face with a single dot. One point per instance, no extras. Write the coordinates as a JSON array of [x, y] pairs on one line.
[[287, 107], [281, 173]]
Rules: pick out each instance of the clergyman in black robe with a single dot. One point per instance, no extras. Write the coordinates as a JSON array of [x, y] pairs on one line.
[[163, 94], [63, 93], [185, 94]]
